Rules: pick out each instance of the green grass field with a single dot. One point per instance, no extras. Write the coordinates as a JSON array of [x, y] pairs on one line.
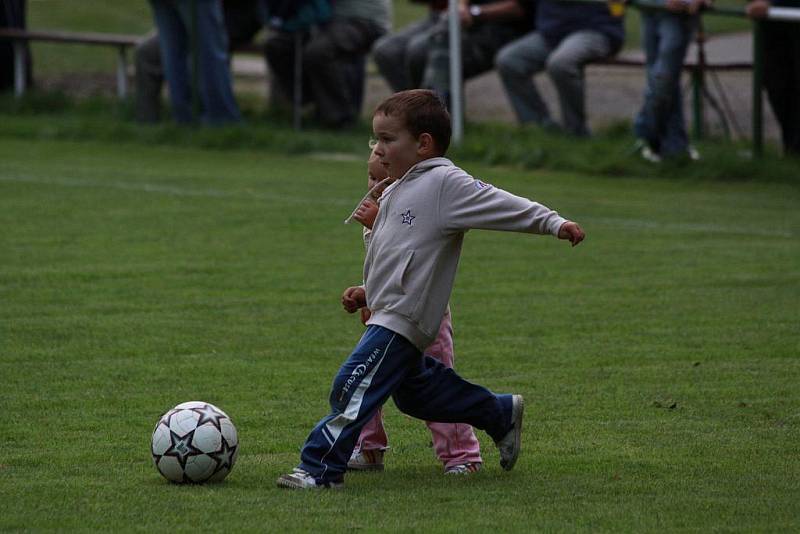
[[659, 359]]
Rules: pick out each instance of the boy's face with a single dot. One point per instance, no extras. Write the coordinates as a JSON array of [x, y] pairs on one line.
[[397, 150]]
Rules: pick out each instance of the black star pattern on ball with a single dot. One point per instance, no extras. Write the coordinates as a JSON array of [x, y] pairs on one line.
[[165, 418], [209, 415], [224, 456], [407, 217], [182, 448]]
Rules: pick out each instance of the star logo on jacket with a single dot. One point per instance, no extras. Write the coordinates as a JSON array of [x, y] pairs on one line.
[[408, 217]]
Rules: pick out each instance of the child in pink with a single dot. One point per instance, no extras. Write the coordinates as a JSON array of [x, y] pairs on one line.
[[455, 444]]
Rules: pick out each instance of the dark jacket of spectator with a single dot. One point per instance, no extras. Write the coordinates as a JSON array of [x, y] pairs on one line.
[[556, 19]]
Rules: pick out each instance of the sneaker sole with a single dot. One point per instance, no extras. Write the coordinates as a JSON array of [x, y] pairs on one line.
[[288, 483], [517, 411], [285, 482]]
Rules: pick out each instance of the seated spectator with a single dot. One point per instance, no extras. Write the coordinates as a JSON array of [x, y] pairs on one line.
[[243, 20], [568, 35], [781, 40], [487, 26], [401, 56], [174, 22], [660, 125], [328, 52]]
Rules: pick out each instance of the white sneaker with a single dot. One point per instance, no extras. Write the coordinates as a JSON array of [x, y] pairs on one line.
[[463, 469], [303, 480], [510, 444], [694, 154], [648, 155], [642, 148], [369, 460]]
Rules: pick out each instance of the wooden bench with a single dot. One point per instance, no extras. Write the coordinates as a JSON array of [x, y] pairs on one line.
[[19, 37]]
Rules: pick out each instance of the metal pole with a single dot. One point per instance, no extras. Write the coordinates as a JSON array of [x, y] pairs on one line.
[[758, 74], [19, 68], [193, 46], [297, 107], [456, 84], [697, 80], [122, 74]]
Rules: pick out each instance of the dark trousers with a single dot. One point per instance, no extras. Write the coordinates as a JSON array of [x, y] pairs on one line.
[[333, 59], [385, 364], [782, 79], [12, 15]]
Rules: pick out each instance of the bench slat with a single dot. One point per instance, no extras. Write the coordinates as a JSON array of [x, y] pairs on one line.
[[70, 37]]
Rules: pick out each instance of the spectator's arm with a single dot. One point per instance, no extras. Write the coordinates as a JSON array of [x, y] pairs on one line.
[[501, 10], [493, 11]]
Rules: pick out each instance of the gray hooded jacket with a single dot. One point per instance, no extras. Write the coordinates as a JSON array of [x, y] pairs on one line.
[[416, 242]]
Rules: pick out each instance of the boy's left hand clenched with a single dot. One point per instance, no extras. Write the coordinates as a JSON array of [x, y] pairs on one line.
[[571, 231]]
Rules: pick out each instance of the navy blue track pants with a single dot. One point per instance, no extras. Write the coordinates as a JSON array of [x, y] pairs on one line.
[[385, 364]]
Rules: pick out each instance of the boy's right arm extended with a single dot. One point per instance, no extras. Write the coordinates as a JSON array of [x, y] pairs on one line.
[[466, 203]]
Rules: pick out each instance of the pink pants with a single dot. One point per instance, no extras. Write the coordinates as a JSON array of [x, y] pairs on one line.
[[454, 443]]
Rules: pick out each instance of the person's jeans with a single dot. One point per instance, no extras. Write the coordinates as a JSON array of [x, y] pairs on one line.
[[518, 61], [665, 39], [149, 77], [174, 21], [401, 56], [333, 67], [479, 44], [385, 364]]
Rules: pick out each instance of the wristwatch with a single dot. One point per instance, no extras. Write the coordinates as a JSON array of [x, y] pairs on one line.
[[475, 11]]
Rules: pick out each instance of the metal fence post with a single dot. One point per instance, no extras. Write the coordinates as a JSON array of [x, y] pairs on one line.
[[758, 74], [698, 81], [297, 87], [20, 69], [122, 73], [456, 82]]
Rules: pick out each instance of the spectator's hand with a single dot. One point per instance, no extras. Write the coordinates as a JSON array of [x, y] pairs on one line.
[[757, 9], [571, 231], [354, 298], [366, 213]]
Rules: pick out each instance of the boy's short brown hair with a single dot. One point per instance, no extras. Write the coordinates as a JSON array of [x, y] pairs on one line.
[[422, 111]]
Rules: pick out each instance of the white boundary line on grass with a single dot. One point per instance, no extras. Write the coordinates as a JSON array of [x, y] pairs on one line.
[[218, 193], [166, 189]]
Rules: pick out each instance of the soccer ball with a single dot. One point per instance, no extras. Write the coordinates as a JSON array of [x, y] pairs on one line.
[[195, 442]]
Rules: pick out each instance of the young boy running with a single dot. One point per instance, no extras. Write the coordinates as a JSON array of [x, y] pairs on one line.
[[455, 444], [409, 273]]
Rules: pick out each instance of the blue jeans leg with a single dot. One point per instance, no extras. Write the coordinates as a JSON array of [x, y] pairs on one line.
[[384, 363], [660, 122], [565, 65], [517, 63], [216, 83], [397, 55], [174, 44], [174, 22]]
